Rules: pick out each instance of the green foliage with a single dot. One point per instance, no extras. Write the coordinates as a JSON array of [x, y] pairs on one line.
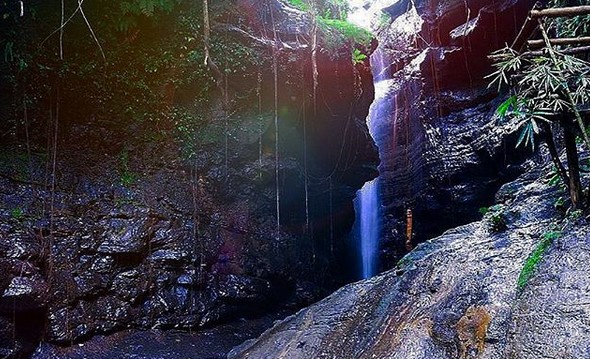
[[574, 215], [571, 26], [541, 89], [535, 257], [299, 4], [553, 178], [17, 213], [330, 16], [496, 217], [126, 176], [339, 32], [336, 9], [133, 10], [153, 78], [384, 20], [358, 57], [559, 203], [147, 7], [404, 261]]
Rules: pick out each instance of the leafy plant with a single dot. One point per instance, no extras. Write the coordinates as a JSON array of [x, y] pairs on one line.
[[535, 257], [330, 17], [358, 57], [384, 20], [540, 91], [299, 4], [574, 215], [547, 88], [571, 26], [559, 203]]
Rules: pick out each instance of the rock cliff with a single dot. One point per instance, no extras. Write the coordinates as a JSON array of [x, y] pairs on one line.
[[137, 235], [469, 293], [442, 155]]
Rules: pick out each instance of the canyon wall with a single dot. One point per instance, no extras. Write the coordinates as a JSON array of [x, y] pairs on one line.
[[134, 234], [443, 155]]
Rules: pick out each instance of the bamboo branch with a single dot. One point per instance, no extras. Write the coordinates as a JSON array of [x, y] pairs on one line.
[[570, 51], [561, 12], [563, 41]]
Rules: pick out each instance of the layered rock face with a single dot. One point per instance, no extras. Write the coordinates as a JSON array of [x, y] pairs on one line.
[[443, 156], [133, 236], [461, 295]]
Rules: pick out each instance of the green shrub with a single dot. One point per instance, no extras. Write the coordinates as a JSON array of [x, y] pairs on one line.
[[574, 215]]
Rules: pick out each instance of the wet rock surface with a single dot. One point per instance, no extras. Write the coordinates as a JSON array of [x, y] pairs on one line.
[[456, 296], [443, 154], [156, 344], [135, 234]]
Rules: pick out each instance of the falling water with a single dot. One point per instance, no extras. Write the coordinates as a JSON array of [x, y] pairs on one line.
[[367, 203]]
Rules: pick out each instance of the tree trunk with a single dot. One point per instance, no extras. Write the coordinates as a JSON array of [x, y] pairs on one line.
[[561, 171], [575, 186]]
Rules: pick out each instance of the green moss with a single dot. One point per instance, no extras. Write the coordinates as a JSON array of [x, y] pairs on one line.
[[535, 257], [496, 217], [358, 57], [384, 20], [404, 261], [126, 176], [299, 4], [17, 213]]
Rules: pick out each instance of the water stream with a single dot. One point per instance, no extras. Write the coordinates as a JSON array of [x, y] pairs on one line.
[[367, 207], [367, 203]]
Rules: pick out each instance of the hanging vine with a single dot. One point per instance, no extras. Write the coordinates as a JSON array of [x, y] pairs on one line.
[[275, 53]]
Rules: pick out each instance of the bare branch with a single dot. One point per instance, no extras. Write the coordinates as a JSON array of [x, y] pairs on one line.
[[561, 12], [90, 28]]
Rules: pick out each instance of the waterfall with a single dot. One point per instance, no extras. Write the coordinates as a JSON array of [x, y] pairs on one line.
[[367, 202], [367, 206]]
